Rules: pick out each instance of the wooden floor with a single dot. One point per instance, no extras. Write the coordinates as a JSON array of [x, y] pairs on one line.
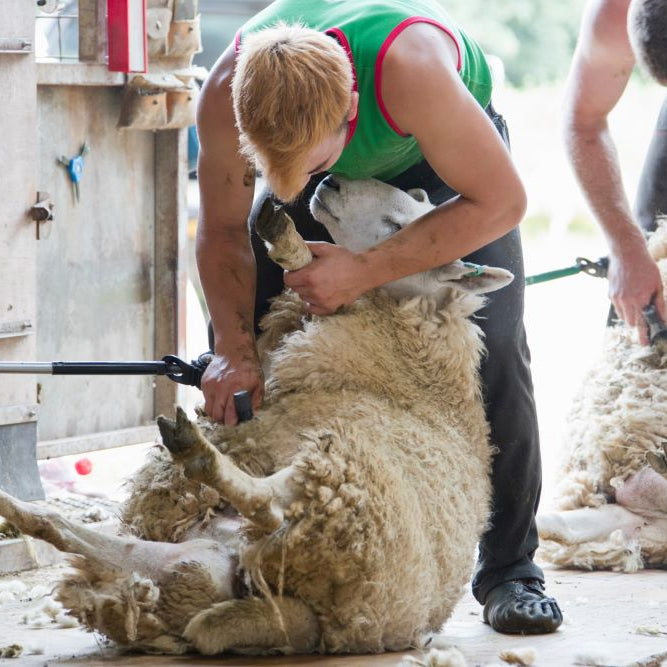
[[619, 617]]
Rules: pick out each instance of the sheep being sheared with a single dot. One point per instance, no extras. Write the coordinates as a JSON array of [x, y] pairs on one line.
[[613, 493], [344, 516]]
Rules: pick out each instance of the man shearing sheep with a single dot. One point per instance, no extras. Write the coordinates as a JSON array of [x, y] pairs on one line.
[[397, 91]]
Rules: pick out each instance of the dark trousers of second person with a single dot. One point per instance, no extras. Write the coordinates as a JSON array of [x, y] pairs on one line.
[[507, 548], [651, 199]]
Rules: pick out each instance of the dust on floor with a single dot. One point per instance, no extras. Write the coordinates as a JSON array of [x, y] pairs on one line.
[[618, 619]]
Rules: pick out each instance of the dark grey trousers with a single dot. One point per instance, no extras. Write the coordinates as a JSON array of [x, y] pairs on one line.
[[651, 198], [651, 201], [506, 550]]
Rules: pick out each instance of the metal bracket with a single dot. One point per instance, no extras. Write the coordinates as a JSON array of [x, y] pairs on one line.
[[15, 45], [597, 269], [42, 214], [15, 328]]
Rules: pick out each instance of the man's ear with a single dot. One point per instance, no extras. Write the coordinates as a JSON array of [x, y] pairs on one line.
[[354, 106]]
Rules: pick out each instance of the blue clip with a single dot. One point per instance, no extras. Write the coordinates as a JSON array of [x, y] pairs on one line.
[[477, 269], [74, 167]]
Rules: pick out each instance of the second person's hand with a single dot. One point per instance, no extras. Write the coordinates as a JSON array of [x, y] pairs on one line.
[[634, 283]]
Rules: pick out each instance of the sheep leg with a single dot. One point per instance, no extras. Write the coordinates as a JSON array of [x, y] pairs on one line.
[[588, 524], [252, 625], [261, 500], [284, 244], [149, 559], [641, 505], [51, 527]]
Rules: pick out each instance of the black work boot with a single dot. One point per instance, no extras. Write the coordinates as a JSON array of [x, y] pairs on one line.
[[520, 607]]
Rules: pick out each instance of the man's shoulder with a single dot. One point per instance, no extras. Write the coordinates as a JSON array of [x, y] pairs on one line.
[[420, 45], [215, 109], [217, 87], [607, 19], [222, 71], [604, 38]]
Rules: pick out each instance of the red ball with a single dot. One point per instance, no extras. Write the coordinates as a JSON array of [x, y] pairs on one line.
[[83, 466]]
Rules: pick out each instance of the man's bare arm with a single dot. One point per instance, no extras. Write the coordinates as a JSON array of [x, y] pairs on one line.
[[224, 256], [461, 144], [601, 67], [459, 141]]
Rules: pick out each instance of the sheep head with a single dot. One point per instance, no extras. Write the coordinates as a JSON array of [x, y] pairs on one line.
[[361, 214]]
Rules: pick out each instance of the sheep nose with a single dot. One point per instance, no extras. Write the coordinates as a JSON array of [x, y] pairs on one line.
[[331, 182]]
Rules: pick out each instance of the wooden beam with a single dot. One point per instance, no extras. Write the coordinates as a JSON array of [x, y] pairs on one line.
[[26, 553], [233, 7], [170, 255], [92, 31], [94, 442], [78, 74], [185, 10], [18, 414]]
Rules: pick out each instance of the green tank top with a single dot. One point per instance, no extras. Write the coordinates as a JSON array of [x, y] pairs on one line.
[[366, 28]]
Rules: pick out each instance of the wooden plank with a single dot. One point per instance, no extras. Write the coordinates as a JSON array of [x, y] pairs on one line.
[[185, 10], [17, 390], [92, 31], [18, 414], [18, 190], [15, 328], [232, 7], [95, 270], [77, 74], [171, 180], [17, 304], [17, 291], [96, 441], [19, 474], [25, 553]]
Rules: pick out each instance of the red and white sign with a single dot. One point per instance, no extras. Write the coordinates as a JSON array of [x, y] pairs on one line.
[[126, 22]]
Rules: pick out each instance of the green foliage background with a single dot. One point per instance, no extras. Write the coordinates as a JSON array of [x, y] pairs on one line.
[[534, 38]]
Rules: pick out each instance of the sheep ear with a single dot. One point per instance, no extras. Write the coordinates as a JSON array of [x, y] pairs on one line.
[[474, 278], [418, 195]]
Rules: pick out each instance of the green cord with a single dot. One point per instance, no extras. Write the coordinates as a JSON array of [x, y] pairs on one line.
[[552, 275], [598, 269]]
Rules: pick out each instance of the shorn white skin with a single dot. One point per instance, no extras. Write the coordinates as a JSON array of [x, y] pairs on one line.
[[640, 513]]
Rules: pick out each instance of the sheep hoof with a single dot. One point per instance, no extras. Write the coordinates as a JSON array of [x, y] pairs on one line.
[[271, 221], [178, 436], [167, 429]]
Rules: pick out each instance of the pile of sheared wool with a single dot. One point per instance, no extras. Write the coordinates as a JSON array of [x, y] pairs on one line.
[[436, 657], [47, 612]]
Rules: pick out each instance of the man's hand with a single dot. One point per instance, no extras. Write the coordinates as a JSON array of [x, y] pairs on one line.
[[335, 278], [223, 378], [635, 282]]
